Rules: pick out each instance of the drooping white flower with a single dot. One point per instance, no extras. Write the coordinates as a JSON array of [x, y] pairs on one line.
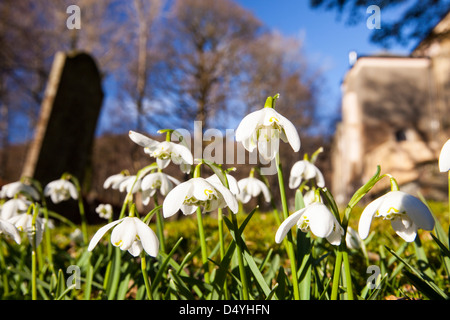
[[131, 234], [252, 187], [444, 157], [406, 213], [23, 223], [10, 190], [232, 182], [13, 207], [263, 129], [104, 210], [130, 184], [8, 228], [114, 181], [198, 192], [305, 170], [60, 190], [315, 217], [165, 151], [154, 181]]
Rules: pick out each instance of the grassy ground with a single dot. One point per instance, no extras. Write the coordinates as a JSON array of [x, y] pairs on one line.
[[259, 239]]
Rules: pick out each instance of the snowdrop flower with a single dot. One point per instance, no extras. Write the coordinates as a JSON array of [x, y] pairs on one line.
[[252, 187], [104, 211], [11, 189], [154, 181], [263, 129], [114, 181], [444, 157], [60, 190], [130, 184], [232, 182], [406, 213], [306, 170], [164, 152], [130, 233], [23, 223], [10, 230], [315, 217], [14, 207], [198, 192]]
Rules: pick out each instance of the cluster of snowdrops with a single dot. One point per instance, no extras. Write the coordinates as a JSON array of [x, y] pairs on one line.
[[24, 211]]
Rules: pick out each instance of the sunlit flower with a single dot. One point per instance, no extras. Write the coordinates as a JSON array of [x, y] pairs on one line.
[[198, 192], [252, 187], [156, 181], [10, 230], [23, 223], [315, 217], [10, 190], [406, 213], [104, 211], [165, 151], [263, 129], [232, 182], [130, 234], [305, 170], [444, 157], [60, 190], [13, 207]]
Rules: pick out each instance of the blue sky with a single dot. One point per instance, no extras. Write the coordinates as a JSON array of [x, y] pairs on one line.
[[327, 40]]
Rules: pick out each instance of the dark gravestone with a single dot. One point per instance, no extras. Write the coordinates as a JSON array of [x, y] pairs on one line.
[[68, 118]]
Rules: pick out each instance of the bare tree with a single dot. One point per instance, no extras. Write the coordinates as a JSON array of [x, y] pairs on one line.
[[204, 50]]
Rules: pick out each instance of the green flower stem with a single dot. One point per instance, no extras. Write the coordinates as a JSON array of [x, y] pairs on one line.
[[116, 274], [221, 244], [4, 272], [48, 242], [112, 275], [348, 276], [201, 232], [240, 257], [239, 247], [160, 226], [220, 228], [201, 229], [83, 220], [81, 209], [35, 209], [336, 275], [290, 242], [272, 202], [146, 277]]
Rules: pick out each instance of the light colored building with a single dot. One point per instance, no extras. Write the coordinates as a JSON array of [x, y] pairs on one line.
[[395, 113]]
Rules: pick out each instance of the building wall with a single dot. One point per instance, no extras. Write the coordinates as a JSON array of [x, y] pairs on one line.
[[395, 113]]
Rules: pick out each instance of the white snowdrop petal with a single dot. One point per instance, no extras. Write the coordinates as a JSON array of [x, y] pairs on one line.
[[175, 198], [444, 157], [287, 224], [366, 217], [148, 238], [100, 233]]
